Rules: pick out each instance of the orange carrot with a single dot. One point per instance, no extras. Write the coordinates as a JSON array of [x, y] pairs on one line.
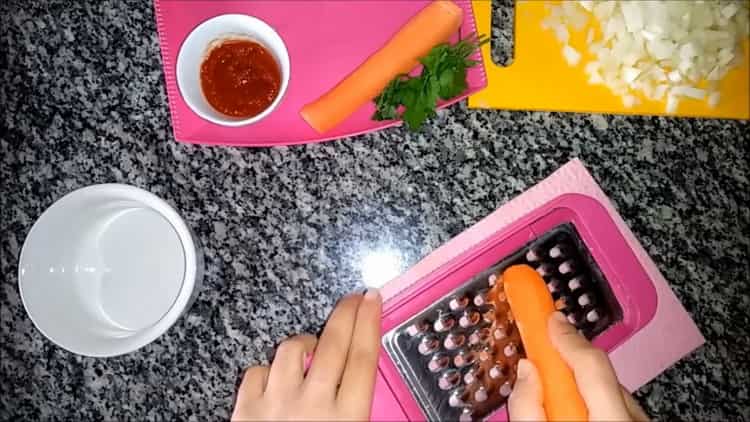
[[531, 305], [431, 26]]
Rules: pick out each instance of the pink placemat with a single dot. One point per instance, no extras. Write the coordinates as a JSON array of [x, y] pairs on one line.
[[326, 40], [669, 336]]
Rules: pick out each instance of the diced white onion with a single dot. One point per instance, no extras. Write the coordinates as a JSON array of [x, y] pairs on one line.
[[714, 74], [629, 101], [659, 91], [672, 103], [658, 74], [633, 12], [649, 35], [562, 34], [729, 10], [661, 49], [713, 99], [574, 15], [591, 67], [655, 48], [689, 91], [629, 74], [572, 56], [596, 79], [587, 4]]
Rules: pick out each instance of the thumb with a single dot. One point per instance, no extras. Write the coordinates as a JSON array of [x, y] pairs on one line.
[[525, 402]]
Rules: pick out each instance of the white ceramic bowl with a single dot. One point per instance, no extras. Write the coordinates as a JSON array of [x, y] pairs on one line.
[[196, 45], [107, 269]]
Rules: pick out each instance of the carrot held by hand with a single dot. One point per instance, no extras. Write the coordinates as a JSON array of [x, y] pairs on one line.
[[531, 304]]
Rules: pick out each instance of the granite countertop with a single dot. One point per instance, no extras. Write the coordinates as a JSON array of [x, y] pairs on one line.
[[285, 229]]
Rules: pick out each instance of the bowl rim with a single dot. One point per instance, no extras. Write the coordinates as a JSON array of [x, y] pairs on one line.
[[280, 55], [189, 282]]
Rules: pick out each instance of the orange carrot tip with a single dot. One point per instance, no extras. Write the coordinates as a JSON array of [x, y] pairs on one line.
[[532, 305]]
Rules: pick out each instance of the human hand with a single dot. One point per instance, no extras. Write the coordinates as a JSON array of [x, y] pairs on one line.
[[340, 381], [605, 398]]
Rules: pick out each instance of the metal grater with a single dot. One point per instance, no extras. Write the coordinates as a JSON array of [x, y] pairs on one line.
[[459, 356]]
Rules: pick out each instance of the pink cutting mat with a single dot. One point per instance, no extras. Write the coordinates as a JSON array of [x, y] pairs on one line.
[[326, 40], [669, 336]]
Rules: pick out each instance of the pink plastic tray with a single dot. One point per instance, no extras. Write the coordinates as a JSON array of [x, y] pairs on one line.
[[326, 40]]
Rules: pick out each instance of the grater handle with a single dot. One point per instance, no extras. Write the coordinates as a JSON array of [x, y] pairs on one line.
[[531, 304]]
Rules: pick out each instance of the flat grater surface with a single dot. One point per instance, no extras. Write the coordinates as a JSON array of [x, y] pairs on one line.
[[459, 356]]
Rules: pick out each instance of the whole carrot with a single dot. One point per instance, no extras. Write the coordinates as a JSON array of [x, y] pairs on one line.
[[531, 304], [434, 24]]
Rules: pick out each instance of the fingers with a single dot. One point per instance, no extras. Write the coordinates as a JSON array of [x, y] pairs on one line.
[[287, 369], [593, 372], [358, 381], [253, 383], [636, 411], [251, 388], [328, 363], [525, 402]]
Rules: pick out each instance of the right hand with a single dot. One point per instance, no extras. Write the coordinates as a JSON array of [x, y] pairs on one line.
[[605, 398]]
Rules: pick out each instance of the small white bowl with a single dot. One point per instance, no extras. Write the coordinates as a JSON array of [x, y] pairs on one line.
[[193, 52], [107, 269]]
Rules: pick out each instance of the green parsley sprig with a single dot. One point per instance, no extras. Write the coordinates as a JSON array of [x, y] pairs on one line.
[[443, 76]]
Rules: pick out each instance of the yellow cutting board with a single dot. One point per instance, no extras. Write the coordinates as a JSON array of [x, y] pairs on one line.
[[539, 78]]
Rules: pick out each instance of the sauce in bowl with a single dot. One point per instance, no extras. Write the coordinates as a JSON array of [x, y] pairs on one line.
[[240, 78]]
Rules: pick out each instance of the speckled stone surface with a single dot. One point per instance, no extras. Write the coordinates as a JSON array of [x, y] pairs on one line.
[[285, 229]]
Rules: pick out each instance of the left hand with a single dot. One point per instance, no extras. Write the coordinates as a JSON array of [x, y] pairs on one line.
[[340, 382]]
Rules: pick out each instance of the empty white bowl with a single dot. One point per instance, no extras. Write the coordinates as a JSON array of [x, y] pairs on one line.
[[107, 269], [194, 50]]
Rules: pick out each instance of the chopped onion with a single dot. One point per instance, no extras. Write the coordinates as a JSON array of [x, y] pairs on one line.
[[657, 74], [629, 74], [572, 56], [633, 13], [713, 99], [728, 11], [589, 5], [591, 67], [649, 35], [672, 103], [659, 91], [596, 79], [629, 101], [689, 91], [655, 48], [562, 34], [574, 15], [714, 74]]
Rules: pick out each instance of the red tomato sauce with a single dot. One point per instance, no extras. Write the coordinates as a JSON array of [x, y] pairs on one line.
[[240, 78]]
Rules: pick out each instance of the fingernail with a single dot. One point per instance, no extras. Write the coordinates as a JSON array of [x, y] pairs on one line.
[[372, 294], [560, 317], [524, 369]]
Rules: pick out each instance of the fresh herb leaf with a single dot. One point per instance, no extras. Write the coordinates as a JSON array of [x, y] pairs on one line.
[[387, 102], [443, 76], [455, 83]]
